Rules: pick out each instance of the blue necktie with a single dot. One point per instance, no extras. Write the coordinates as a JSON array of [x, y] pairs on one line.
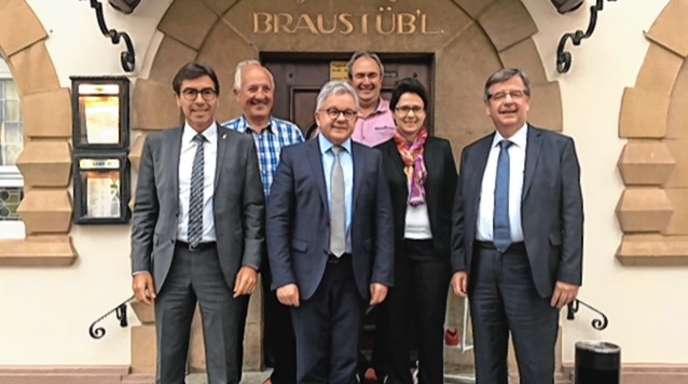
[[501, 233]]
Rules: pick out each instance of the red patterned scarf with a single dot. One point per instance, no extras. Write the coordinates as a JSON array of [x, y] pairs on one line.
[[414, 166]]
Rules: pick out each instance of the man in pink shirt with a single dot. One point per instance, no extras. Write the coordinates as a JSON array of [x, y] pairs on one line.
[[375, 122]]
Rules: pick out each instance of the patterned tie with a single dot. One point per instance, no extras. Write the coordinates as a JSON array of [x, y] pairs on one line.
[[501, 233], [338, 208], [195, 225]]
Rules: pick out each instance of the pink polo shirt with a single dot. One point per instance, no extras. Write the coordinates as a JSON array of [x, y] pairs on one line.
[[376, 128]]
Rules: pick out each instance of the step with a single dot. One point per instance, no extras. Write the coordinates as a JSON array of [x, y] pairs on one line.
[[56, 378], [139, 378]]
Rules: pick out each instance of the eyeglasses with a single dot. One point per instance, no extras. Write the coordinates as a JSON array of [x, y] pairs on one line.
[[190, 94], [515, 95], [407, 109], [333, 113]]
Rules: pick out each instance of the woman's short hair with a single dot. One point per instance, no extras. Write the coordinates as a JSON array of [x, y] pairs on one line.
[[408, 85]]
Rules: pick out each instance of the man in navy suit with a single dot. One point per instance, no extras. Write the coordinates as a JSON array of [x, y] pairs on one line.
[[517, 235], [330, 238]]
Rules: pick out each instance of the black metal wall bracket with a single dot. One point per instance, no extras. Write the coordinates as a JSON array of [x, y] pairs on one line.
[[128, 57], [564, 57], [121, 313], [598, 324]]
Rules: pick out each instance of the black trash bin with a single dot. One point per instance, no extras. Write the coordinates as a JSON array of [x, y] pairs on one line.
[[597, 362]]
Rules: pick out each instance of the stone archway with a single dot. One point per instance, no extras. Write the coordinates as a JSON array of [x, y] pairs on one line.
[[45, 161], [468, 38], [653, 209], [497, 33]]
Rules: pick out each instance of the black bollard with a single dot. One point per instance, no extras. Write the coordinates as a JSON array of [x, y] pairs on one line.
[[597, 362]]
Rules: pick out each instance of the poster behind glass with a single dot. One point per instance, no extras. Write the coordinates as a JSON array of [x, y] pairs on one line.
[[99, 113]]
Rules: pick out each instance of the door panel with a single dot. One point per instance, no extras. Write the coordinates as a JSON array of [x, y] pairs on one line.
[[298, 79]]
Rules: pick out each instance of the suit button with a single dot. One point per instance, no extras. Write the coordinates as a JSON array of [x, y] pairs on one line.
[[172, 241]]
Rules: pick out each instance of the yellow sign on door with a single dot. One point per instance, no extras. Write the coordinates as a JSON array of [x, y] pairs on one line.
[[338, 70]]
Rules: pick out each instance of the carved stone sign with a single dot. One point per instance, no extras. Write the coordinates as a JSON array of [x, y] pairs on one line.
[[340, 26], [384, 22]]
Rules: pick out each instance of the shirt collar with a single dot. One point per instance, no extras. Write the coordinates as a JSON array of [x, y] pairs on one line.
[[246, 126], [382, 107], [518, 139], [326, 144], [210, 133]]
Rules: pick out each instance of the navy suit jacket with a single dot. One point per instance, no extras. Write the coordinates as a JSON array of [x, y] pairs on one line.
[[551, 208], [298, 220]]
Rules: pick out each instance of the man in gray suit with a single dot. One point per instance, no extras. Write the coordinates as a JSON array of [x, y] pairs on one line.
[[517, 240], [198, 231]]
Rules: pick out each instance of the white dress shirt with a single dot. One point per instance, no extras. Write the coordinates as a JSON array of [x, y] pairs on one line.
[[517, 162], [186, 157]]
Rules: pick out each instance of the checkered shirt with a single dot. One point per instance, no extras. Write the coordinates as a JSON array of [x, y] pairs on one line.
[[280, 133]]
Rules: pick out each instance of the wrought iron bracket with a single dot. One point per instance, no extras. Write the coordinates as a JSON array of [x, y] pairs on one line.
[[564, 57], [128, 57], [598, 324], [121, 313]]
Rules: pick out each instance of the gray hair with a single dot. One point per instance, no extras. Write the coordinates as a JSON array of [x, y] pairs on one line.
[[239, 72], [503, 75], [364, 55], [336, 87]]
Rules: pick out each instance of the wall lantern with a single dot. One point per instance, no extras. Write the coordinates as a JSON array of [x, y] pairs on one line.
[[565, 6]]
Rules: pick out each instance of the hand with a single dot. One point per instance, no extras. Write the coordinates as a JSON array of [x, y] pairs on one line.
[[288, 295], [143, 287], [564, 293], [378, 292], [459, 283], [245, 282]]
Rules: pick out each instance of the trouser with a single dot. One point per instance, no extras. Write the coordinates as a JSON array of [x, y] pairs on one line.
[[419, 300], [503, 299], [196, 276], [327, 327]]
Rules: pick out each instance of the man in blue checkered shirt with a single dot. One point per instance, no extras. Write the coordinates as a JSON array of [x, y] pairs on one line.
[[254, 89]]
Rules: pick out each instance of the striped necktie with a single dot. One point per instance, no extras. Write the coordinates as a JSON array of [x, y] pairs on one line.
[[195, 225]]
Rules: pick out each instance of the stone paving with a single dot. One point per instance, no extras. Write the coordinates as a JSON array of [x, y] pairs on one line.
[[247, 378]]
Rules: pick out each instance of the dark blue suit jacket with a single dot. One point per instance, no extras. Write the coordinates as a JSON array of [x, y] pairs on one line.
[[551, 208], [298, 220]]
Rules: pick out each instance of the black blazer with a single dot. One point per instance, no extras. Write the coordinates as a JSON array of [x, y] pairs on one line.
[[298, 220], [440, 186], [551, 208]]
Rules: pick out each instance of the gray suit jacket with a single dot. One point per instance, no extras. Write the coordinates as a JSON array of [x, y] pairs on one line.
[[551, 208], [238, 202]]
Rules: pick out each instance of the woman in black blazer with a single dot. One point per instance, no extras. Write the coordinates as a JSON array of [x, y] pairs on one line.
[[422, 177]]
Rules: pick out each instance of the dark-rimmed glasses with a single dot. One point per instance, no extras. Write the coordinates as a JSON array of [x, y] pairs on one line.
[[407, 109], [516, 94], [333, 113], [190, 94]]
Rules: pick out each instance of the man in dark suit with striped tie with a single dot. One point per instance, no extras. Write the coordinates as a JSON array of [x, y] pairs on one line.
[[198, 231], [517, 240]]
